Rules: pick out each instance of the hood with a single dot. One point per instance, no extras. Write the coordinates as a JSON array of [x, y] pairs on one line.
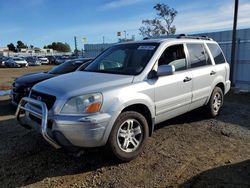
[[33, 78], [81, 82]]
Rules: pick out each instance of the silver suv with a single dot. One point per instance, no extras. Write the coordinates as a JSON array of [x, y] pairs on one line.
[[119, 98]]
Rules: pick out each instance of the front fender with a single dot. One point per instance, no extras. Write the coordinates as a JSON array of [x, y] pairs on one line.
[[120, 102], [123, 101]]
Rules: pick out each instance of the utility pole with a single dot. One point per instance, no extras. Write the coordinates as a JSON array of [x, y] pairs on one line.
[[125, 33], [76, 51], [233, 50], [103, 39]]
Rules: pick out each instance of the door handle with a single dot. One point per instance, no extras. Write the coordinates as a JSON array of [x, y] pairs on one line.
[[212, 72], [187, 79]]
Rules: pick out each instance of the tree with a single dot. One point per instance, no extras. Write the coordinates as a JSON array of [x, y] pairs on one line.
[[21, 45], [12, 47], [160, 25], [59, 46]]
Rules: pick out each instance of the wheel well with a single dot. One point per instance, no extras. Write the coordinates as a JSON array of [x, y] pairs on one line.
[[142, 109], [221, 85]]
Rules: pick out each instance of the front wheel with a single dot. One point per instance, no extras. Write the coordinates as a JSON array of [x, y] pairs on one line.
[[129, 135], [216, 102]]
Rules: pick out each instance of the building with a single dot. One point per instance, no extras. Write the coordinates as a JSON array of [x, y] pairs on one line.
[[4, 51]]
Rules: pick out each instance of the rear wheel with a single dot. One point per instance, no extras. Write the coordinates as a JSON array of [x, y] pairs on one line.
[[129, 135], [216, 102]]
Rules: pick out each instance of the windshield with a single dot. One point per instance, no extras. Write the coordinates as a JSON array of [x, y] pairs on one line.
[[66, 67], [128, 59]]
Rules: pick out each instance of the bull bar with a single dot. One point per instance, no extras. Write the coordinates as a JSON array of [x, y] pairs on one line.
[[44, 117]]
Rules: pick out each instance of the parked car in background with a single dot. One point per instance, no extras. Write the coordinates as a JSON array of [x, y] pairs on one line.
[[2, 61], [23, 84], [51, 58], [61, 59], [44, 60], [120, 97], [16, 62], [33, 61]]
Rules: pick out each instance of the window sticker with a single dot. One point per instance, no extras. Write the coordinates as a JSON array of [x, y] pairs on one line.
[[146, 47]]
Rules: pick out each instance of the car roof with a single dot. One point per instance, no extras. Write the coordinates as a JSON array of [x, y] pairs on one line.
[[165, 40]]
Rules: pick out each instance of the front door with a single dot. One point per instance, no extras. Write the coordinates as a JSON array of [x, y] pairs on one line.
[[173, 93]]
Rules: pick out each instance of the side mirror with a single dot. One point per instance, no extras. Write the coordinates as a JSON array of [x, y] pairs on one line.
[[164, 70]]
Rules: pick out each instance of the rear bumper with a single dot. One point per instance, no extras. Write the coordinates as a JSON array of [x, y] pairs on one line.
[[64, 130]]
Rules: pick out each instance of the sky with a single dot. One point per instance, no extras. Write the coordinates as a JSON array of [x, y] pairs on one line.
[[41, 22]]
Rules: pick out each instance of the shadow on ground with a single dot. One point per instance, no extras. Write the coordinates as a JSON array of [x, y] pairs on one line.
[[233, 175], [233, 112]]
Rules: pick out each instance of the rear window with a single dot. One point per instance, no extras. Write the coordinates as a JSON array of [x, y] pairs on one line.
[[216, 53]]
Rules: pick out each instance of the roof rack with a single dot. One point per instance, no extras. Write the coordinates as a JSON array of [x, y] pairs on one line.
[[184, 36]]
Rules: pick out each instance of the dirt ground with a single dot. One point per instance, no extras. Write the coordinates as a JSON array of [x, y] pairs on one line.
[[188, 151], [7, 75]]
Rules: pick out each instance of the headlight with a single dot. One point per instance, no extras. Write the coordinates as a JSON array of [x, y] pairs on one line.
[[90, 103]]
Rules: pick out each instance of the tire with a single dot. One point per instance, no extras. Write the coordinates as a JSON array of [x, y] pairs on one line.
[[128, 136], [215, 103]]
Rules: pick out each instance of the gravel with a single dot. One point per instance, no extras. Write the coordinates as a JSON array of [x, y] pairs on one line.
[[187, 151]]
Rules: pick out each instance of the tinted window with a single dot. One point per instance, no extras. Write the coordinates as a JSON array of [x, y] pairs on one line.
[[18, 59], [198, 55], [174, 55], [66, 67], [216, 53], [129, 59]]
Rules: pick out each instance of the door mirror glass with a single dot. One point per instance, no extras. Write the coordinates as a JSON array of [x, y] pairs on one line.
[[164, 70]]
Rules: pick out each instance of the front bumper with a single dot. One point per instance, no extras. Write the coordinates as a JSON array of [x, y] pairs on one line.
[[22, 64], [16, 97], [63, 130]]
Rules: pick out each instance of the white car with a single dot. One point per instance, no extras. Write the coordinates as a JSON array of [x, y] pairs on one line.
[[16, 62], [121, 96], [44, 60]]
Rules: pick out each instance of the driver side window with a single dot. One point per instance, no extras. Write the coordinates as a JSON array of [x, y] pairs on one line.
[[174, 55]]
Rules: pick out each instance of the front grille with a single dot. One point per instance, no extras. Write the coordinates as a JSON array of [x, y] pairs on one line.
[[36, 119], [49, 100], [39, 121]]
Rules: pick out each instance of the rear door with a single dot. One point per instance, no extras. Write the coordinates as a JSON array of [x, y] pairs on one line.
[[203, 74], [221, 66]]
